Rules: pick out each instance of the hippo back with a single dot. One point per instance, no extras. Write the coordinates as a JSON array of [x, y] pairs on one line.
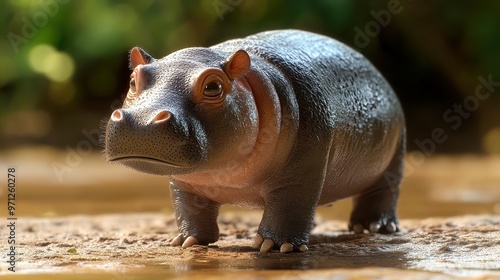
[[341, 97]]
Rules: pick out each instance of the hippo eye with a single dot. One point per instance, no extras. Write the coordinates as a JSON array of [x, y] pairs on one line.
[[212, 89], [132, 85]]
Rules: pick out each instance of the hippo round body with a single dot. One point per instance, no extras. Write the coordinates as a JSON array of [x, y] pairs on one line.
[[282, 120]]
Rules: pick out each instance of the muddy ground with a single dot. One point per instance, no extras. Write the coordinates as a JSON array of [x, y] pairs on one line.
[[126, 246], [107, 222]]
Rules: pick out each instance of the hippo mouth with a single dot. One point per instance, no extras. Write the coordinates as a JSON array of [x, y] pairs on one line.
[[152, 165], [150, 160]]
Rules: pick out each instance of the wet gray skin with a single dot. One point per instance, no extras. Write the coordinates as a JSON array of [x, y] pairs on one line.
[[282, 120]]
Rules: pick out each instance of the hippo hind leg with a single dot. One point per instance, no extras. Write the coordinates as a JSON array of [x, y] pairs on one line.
[[375, 210]]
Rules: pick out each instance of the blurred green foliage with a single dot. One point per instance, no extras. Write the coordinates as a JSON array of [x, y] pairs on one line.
[[63, 63]]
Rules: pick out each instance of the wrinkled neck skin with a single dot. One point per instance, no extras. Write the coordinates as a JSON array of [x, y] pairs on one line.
[[270, 148]]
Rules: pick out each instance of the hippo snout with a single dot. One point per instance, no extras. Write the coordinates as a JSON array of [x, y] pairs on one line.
[[157, 142], [160, 117]]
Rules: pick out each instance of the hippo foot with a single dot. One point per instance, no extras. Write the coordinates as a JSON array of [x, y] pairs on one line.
[[375, 211], [265, 245], [383, 225], [179, 240]]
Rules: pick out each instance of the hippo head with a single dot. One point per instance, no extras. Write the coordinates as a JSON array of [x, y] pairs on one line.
[[191, 110]]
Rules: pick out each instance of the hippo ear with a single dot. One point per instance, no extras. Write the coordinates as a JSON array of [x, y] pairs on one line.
[[237, 65], [138, 56]]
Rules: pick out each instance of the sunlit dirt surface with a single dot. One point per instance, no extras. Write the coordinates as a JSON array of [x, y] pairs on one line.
[[81, 218]]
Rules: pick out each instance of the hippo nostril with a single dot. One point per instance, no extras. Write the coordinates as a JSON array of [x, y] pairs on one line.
[[117, 116], [162, 116]]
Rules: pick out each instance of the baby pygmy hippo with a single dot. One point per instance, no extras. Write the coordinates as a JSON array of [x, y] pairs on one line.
[[283, 121]]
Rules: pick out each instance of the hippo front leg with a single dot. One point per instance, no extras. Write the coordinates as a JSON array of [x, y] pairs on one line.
[[289, 212], [285, 224], [196, 218]]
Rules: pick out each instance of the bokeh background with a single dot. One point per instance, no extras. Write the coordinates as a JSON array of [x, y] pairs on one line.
[[63, 63]]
